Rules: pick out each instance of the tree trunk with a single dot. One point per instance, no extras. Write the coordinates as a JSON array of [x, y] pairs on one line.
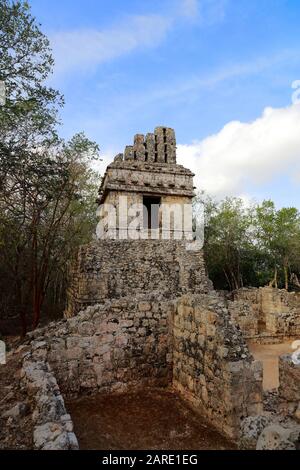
[[38, 301], [294, 280], [23, 323], [23, 319], [274, 282], [286, 278], [227, 279]]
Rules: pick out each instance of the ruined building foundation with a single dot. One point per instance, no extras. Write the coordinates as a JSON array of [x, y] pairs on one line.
[[142, 312]]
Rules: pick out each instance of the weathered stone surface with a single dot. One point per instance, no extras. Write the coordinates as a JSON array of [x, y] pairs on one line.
[[212, 366], [53, 426], [17, 411], [289, 388], [143, 313], [266, 313], [53, 436], [130, 337], [277, 437], [149, 169], [112, 269], [297, 413], [251, 429], [189, 341]]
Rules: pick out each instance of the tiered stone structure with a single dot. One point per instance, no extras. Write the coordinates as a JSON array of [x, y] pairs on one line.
[[148, 167], [147, 174], [152, 256]]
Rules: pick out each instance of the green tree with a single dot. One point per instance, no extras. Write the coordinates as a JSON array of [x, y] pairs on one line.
[[251, 245], [227, 241], [46, 213], [46, 184], [278, 234], [30, 112]]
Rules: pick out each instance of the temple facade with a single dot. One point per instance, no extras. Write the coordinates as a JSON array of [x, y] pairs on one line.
[[145, 193]]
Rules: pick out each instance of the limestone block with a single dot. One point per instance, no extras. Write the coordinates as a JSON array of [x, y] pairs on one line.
[[277, 437], [74, 353], [150, 148], [139, 147], [126, 323], [144, 306], [297, 413], [128, 154]]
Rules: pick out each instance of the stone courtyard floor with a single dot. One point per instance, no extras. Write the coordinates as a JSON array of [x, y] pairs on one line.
[[269, 354], [149, 419]]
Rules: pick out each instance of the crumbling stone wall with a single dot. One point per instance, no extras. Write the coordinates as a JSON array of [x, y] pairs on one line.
[[289, 389], [212, 366], [112, 346], [111, 269], [189, 342], [159, 147], [53, 426], [266, 314], [245, 311]]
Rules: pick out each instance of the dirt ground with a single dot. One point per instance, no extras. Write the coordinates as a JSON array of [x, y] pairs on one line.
[[269, 354], [15, 431], [149, 419]]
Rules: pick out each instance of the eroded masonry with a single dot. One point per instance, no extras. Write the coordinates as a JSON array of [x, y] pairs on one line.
[[142, 313]]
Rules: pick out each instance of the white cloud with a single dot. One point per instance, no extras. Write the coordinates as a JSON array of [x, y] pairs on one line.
[[242, 155], [83, 49], [106, 158]]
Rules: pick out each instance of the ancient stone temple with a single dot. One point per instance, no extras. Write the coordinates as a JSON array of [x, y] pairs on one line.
[[145, 203], [144, 305], [142, 314], [147, 175]]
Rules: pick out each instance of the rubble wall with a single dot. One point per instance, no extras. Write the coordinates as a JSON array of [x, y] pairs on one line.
[[212, 366], [289, 388], [53, 426], [188, 342], [266, 314], [112, 346], [111, 269]]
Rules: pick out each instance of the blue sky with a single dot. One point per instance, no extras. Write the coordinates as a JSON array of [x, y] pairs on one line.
[[208, 68]]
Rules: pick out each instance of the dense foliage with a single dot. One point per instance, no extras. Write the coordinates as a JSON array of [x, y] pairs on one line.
[[251, 245], [47, 187]]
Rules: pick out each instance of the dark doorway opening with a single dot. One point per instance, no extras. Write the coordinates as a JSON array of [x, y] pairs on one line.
[[151, 212]]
